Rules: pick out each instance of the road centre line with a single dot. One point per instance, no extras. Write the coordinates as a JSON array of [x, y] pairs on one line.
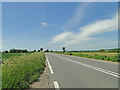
[[94, 67]]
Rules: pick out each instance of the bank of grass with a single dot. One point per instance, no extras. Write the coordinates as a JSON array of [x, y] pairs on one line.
[[20, 71], [114, 57]]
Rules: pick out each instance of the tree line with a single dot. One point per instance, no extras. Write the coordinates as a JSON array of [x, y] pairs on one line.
[[20, 51], [16, 51], [63, 50]]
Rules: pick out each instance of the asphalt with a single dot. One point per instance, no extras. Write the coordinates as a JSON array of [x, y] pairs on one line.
[[76, 72]]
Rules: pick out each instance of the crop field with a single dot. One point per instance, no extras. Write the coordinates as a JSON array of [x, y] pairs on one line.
[[92, 53], [100, 53], [7, 55], [96, 55], [19, 70]]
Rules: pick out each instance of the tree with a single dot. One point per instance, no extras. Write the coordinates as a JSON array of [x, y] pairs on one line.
[[12, 51], [51, 50], [102, 50], [63, 49], [38, 50], [18, 51], [6, 51], [25, 50], [41, 49], [47, 50]]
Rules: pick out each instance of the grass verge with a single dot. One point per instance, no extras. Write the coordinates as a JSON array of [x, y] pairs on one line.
[[114, 57], [20, 71]]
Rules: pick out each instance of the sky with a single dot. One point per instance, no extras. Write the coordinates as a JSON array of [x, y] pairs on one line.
[[60, 0], [74, 25]]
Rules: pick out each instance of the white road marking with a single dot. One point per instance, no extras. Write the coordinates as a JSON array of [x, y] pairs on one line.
[[56, 85], [50, 67], [94, 67]]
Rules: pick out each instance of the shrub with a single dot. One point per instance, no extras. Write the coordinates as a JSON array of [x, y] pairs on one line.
[[70, 53]]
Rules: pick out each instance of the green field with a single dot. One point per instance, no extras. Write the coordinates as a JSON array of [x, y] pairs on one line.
[[19, 70], [7, 55], [110, 56]]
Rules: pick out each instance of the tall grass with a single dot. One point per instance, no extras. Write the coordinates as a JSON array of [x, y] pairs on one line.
[[20, 71]]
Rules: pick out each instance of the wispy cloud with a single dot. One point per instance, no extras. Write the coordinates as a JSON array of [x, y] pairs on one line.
[[73, 22], [86, 33], [61, 37], [101, 26], [77, 16]]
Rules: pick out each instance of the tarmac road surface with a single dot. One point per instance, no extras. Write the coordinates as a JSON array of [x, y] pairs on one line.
[[77, 72]]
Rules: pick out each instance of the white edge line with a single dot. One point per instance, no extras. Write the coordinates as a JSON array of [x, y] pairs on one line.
[[50, 67], [56, 85]]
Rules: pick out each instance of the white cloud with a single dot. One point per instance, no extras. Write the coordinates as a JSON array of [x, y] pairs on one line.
[[86, 33], [61, 37], [101, 26], [74, 21], [44, 24]]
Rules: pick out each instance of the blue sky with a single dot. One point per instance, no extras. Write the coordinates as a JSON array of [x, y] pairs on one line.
[[77, 26]]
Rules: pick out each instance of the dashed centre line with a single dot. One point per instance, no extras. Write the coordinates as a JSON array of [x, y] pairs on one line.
[[93, 67]]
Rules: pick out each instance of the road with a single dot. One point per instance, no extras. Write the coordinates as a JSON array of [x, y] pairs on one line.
[[77, 72]]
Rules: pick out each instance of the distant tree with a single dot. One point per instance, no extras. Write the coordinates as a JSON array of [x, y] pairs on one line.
[[34, 50], [63, 48], [5, 51], [102, 50], [38, 50], [18, 51], [51, 51], [12, 51], [25, 50], [47, 50], [41, 49]]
